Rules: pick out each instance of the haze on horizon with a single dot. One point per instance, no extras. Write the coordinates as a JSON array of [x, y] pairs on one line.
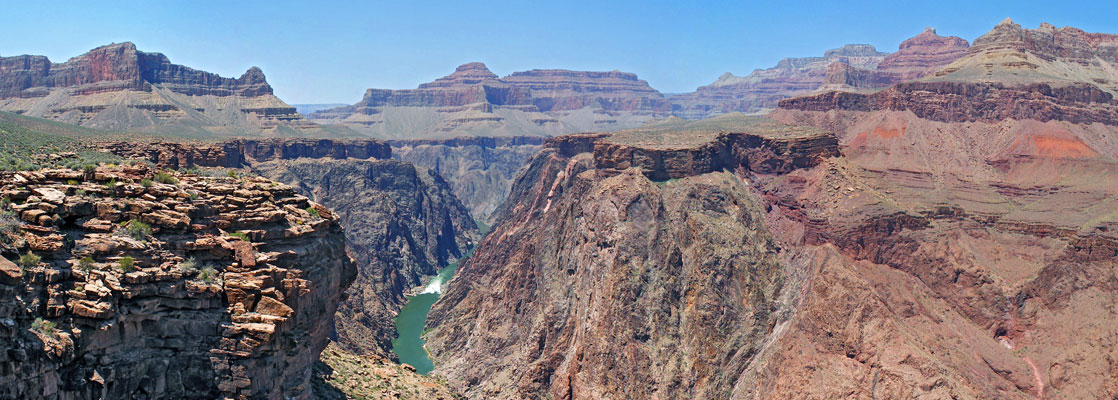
[[332, 52]]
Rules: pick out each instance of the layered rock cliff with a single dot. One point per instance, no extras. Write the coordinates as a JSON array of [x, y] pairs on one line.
[[474, 101], [763, 88], [189, 288], [238, 153], [118, 87], [402, 223], [480, 170]]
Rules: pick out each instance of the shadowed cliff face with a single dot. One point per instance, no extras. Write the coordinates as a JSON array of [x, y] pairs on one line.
[[139, 291], [402, 224], [480, 170]]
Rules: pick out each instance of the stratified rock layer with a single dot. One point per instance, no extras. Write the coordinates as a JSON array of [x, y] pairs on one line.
[[238, 153], [112, 309], [479, 169], [402, 224], [474, 101], [117, 87]]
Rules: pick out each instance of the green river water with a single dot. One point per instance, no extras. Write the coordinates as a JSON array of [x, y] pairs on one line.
[[412, 320]]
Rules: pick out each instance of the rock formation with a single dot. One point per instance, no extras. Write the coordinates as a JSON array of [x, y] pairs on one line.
[[238, 153], [950, 237], [117, 87], [850, 68], [402, 224], [474, 101], [189, 288], [479, 169], [763, 88]]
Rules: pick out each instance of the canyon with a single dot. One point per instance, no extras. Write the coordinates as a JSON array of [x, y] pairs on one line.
[[938, 222]]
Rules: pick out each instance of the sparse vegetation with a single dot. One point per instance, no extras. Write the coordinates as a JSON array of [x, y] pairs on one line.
[[44, 327], [208, 274], [166, 178], [136, 229], [193, 195], [127, 264], [86, 264], [231, 173], [28, 260], [24, 145], [145, 182], [241, 235], [110, 184], [313, 212], [189, 266], [9, 224]]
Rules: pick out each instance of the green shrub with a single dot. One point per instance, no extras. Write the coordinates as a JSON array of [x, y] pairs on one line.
[[193, 195], [137, 229], [231, 174], [79, 192], [313, 212], [72, 182], [110, 184], [241, 235], [89, 169], [5, 202], [127, 264], [44, 327], [208, 274], [189, 266], [85, 264], [165, 178], [145, 182], [29, 260]]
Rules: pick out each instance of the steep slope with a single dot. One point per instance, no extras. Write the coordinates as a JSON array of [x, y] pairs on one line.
[[402, 223], [117, 87], [127, 290], [473, 101], [601, 283], [763, 88], [479, 169]]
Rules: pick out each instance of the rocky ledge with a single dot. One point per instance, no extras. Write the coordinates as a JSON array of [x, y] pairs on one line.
[[115, 286], [239, 152]]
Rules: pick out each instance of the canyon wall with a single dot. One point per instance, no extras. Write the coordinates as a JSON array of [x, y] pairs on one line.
[[115, 289]]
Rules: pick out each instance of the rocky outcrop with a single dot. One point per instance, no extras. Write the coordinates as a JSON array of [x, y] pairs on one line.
[[118, 87], [763, 88], [238, 153], [474, 101], [127, 290], [402, 224], [966, 101], [564, 90], [600, 282], [479, 169], [922, 54]]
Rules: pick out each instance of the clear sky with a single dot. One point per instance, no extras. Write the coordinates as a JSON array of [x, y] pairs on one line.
[[330, 52]]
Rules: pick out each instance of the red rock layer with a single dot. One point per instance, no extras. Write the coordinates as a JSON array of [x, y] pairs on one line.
[[119, 67], [921, 55]]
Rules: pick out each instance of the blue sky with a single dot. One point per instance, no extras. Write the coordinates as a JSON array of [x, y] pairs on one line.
[[327, 52]]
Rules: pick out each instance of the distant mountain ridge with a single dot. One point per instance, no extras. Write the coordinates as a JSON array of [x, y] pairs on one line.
[[118, 87]]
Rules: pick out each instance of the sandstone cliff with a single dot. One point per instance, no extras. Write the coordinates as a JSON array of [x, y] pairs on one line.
[[117, 87], [475, 101], [117, 289]]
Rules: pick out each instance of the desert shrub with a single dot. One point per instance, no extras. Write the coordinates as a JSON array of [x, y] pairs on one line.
[[44, 327], [189, 266], [85, 264], [313, 212], [241, 235], [29, 260], [127, 264], [231, 173], [89, 169], [165, 178], [72, 182], [137, 229], [208, 274], [193, 195], [80, 192], [145, 182]]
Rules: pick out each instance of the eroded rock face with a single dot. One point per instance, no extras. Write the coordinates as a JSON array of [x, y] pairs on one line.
[[240, 152], [402, 223], [474, 101], [602, 283], [142, 291], [118, 87], [922, 54], [479, 169], [764, 88]]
